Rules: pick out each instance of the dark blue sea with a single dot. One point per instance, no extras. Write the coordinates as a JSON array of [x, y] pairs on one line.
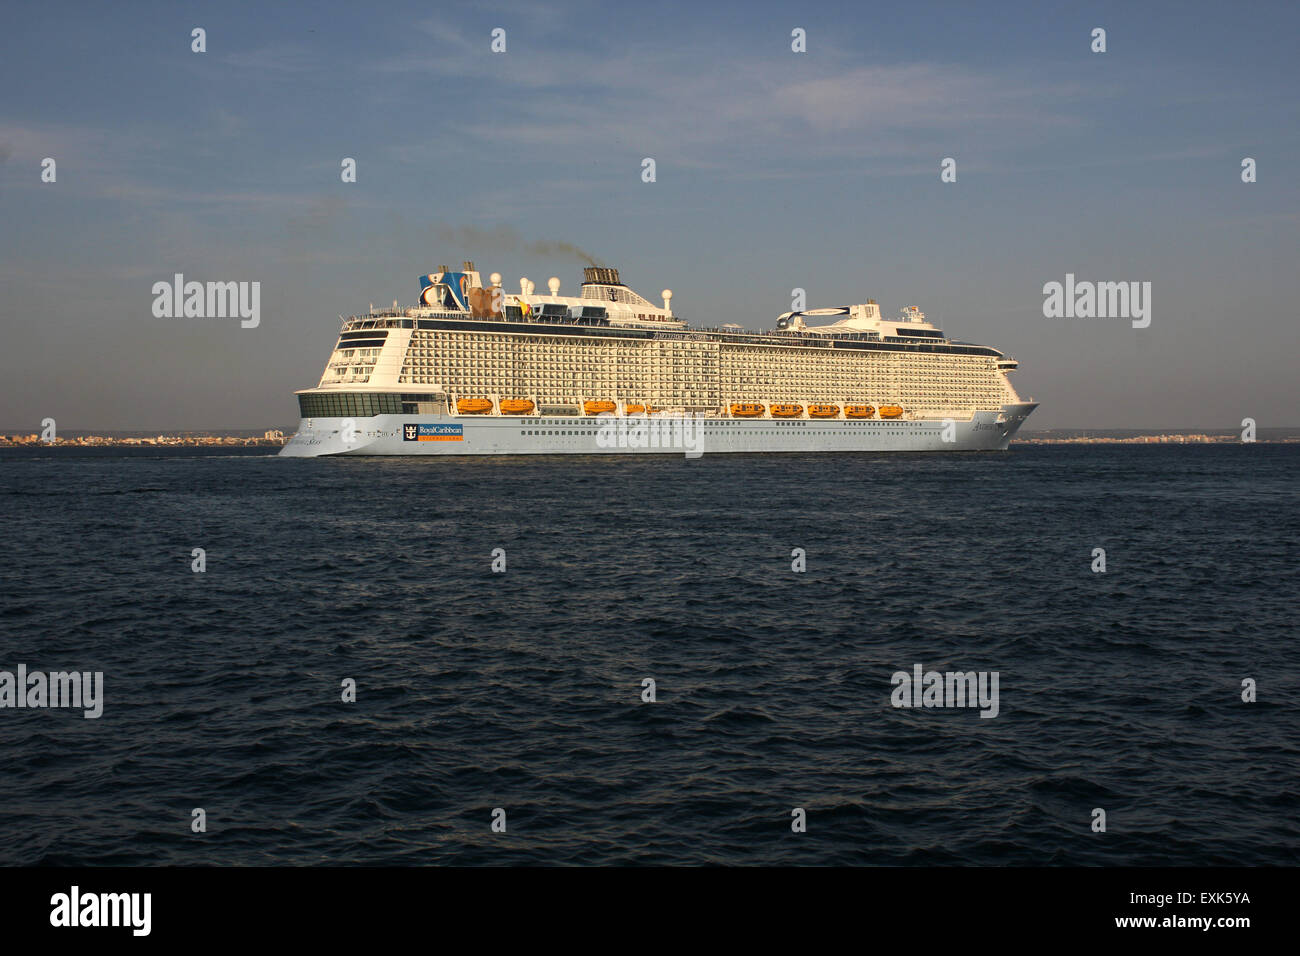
[[522, 690]]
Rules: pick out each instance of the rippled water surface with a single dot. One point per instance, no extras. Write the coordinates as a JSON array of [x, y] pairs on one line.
[[522, 690]]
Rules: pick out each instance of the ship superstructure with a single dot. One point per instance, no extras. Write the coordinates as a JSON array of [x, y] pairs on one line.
[[474, 369]]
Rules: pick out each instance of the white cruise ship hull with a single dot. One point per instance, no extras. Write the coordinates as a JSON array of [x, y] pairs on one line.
[[424, 434]]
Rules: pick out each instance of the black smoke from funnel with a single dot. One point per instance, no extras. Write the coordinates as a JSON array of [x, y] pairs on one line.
[[505, 239]]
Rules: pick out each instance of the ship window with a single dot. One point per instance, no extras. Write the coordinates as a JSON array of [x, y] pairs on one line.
[[349, 404]]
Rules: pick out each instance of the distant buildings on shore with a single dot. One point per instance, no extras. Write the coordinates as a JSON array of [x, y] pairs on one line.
[[274, 437], [1173, 439]]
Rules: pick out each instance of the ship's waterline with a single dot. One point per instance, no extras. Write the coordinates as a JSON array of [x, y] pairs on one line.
[[474, 371], [427, 435]]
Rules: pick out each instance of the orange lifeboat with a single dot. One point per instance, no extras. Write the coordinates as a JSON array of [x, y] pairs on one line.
[[823, 411], [858, 411], [787, 411], [746, 410], [474, 406], [640, 409], [597, 407], [516, 406], [890, 411]]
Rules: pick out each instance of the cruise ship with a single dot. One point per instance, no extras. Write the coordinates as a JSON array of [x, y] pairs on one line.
[[474, 370]]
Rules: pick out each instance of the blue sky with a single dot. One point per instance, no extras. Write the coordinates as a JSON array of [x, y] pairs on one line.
[[775, 170]]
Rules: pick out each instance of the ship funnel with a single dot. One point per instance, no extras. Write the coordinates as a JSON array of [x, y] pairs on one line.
[[603, 275], [553, 283], [469, 266]]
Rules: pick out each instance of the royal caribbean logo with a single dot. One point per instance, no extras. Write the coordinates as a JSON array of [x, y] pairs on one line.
[[433, 433]]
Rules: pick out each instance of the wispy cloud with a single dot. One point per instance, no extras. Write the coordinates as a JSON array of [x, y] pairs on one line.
[[699, 106], [276, 58]]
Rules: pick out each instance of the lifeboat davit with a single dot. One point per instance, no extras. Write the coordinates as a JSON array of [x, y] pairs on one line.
[[787, 411], [858, 411], [517, 406], [746, 410], [597, 407], [824, 411], [474, 406], [890, 411]]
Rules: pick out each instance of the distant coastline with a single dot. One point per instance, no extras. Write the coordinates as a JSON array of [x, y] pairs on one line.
[[274, 437], [1151, 436], [277, 437]]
